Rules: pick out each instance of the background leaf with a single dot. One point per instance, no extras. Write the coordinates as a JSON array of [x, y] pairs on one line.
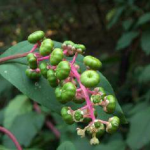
[[126, 39], [18, 106], [144, 19], [24, 128], [67, 145], [145, 44], [139, 131]]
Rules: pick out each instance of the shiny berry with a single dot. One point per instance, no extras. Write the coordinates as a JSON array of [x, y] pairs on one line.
[[36, 37], [92, 62], [63, 70], [43, 68], [90, 78], [46, 47], [56, 56], [32, 61]]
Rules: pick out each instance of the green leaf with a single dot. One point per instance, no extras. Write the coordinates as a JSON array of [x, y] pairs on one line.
[[126, 39], [18, 106], [144, 19], [145, 44], [115, 17], [40, 91], [5, 86], [67, 145], [112, 145], [24, 128], [3, 148], [127, 24], [139, 131], [144, 75]]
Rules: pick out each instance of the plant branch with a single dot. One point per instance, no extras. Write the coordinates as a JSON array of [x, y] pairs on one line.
[[48, 123], [85, 92], [2, 60], [12, 137]]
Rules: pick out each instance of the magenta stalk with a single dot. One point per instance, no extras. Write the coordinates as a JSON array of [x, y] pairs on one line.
[[12, 137], [85, 92]]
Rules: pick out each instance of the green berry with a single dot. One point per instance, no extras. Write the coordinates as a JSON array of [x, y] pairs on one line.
[[101, 130], [36, 36], [32, 61], [113, 124], [78, 116], [66, 93], [66, 116], [51, 77], [110, 107], [43, 68], [92, 62], [46, 47], [97, 124], [33, 74], [56, 56], [90, 78], [63, 70]]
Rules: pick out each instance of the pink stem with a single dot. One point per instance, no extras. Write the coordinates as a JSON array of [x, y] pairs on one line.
[[84, 107], [85, 92], [74, 58], [55, 131], [65, 52], [2, 60], [34, 48], [43, 58], [79, 90], [12, 137], [104, 122], [48, 123]]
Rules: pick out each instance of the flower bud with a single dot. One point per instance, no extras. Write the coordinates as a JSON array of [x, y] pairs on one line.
[[81, 132], [94, 141]]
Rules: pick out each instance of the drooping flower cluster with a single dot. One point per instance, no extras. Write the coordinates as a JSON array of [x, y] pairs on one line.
[[73, 85]]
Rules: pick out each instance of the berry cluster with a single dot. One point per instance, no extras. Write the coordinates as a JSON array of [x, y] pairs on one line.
[[73, 85]]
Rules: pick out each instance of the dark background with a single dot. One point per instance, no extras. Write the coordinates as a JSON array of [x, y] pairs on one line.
[[115, 31]]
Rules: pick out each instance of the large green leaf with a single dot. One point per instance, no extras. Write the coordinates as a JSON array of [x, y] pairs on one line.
[[139, 131], [24, 128], [18, 106], [40, 91], [145, 44], [67, 145]]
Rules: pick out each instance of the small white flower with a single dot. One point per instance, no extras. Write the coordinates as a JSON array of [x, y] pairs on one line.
[[81, 132], [94, 141]]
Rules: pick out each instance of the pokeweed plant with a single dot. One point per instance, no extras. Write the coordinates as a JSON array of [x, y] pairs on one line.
[[72, 78]]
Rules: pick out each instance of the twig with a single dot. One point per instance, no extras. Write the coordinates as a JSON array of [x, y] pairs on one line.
[[2, 60], [12, 137]]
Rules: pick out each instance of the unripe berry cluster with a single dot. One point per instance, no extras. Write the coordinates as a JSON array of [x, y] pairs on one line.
[[73, 85]]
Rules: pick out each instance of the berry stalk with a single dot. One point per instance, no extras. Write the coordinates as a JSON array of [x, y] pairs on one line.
[[85, 92], [12, 137]]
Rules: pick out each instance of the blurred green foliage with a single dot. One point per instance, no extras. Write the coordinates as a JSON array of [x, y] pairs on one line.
[[117, 32]]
